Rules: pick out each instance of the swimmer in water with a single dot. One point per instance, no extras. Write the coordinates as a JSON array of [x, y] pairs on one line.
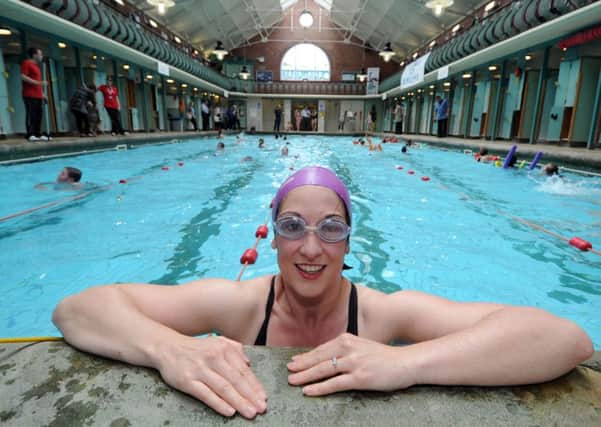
[[261, 143], [284, 151], [550, 169], [68, 179]]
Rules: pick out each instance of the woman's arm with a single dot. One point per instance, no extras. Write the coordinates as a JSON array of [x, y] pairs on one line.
[[455, 344], [149, 325]]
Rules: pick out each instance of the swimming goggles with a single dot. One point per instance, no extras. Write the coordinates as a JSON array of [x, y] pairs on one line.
[[330, 230]]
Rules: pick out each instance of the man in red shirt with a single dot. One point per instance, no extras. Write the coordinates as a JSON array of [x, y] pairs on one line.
[[112, 105], [33, 94]]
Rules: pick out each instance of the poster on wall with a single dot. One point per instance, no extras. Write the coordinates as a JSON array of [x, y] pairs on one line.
[[373, 81], [264, 76], [414, 73]]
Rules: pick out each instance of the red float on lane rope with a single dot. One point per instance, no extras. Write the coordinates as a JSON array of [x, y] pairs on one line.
[[581, 244], [410, 172], [262, 231], [165, 168], [399, 167], [249, 256], [180, 164], [122, 181], [425, 178]]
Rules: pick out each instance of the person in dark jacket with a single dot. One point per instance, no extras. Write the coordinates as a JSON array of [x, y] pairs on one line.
[[82, 99]]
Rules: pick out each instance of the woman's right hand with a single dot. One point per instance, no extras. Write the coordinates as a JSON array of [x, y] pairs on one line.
[[216, 371]]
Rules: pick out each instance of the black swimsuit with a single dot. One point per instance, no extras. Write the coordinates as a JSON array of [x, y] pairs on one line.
[[352, 327]]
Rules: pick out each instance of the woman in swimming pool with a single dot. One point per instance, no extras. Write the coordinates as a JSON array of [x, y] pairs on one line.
[[310, 304]]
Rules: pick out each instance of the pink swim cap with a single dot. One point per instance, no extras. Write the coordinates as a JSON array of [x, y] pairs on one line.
[[312, 175]]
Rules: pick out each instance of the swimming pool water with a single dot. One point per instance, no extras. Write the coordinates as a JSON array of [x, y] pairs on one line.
[[452, 236]]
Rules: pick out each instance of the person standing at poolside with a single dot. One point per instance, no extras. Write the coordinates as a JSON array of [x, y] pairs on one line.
[[277, 120], [305, 119], [297, 119], [191, 115], [236, 112], [33, 94], [398, 114], [206, 114], [441, 110], [217, 117], [82, 100], [372, 119], [112, 105]]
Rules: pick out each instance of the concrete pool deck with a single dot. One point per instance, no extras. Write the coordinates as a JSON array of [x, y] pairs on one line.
[[50, 383], [15, 148]]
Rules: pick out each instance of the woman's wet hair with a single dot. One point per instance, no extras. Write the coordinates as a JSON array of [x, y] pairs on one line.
[[73, 173], [551, 169], [483, 151]]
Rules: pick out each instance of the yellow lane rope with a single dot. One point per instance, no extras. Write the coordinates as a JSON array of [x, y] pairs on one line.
[[29, 339]]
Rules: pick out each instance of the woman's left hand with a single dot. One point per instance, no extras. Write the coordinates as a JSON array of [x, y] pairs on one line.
[[350, 363]]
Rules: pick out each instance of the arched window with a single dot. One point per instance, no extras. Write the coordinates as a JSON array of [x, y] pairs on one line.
[[305, 61]]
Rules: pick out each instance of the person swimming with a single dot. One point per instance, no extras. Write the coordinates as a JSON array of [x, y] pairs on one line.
[[284, 151], [550, 169], [261, 143], [68, 179]]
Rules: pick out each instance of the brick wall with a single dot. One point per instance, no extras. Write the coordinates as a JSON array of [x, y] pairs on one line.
[[343, 57]]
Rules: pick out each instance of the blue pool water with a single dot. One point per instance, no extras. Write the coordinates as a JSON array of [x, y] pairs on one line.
[[452, 236]]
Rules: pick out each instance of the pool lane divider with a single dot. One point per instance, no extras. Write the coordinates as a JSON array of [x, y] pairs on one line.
[[424, 178], [55, 203], [77, 196], [249, 256], [577, 242]]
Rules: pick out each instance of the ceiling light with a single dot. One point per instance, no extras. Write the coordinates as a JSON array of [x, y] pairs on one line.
[[120, 2], [446, 84], [362, 75], [387, 53], [244, 74], [220, 51], [305, 19], [5, 32], [195, 89], [563, 49], [415, 55], [125, 67], [438, 5], [152, 23], [490, 6], [402, 64], [467, 76], [149, 76], [433, 43], [177, 39], [162, 5], [456, 28], [431, 86], [170, 81], [184, 85], [194, 52], [528, 57], [94, 57], [62, 45], [492, 68]]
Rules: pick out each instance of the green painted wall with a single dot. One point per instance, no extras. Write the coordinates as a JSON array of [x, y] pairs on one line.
[[5, 121]]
